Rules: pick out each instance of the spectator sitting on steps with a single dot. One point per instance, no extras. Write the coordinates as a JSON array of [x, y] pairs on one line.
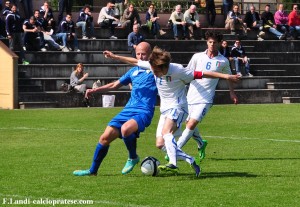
[[269, 24], [47, 14], [234, 21], [253, 22], [130, 17], [134, 38], [240, 58], [294, 21], [84, 20], [281, 18], [107, 19], [77, 77], [177, 19], [192, 20], [66, 33], [151, 19]]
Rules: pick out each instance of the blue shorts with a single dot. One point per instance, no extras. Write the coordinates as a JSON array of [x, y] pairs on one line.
[[143, 119]]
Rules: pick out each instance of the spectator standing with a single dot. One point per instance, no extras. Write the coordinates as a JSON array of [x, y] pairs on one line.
[[227, 6], [177, 19], [66, 33], [192, 20], [47, 14], [269, 24], [119, 8], [14, 33], [134, 38], [84, 20], [6, 9], [2, 29], [33, 37], [234, 21], [151, 19], [240, 59], [28, 8], [294, 21], [107, 17], [130, 17], [210, 12], [77, 77], [64, 5]]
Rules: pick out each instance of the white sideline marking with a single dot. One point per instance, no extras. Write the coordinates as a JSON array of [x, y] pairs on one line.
[[100, 131], [94, 201]]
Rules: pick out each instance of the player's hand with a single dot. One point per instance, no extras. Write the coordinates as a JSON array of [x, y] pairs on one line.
[[108, 54], [234, 78], [234, 98], [88, 93]]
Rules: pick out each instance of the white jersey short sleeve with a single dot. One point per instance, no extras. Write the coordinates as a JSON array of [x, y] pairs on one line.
[[203, 90], [171, 87]]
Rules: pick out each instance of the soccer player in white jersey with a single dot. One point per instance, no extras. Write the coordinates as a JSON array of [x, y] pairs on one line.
[[170, 81], [201, 92]]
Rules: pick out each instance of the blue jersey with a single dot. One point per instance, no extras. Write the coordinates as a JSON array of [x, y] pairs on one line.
[[144, 91]]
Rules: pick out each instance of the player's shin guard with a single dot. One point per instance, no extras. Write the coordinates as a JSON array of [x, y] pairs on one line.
[[186, 135], [100, 153], [197, 137], [183, 156], [130, 143], [171, 147]]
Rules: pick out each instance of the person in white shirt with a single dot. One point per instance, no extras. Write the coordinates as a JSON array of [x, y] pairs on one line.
[[201, 92], [107, 19], [171, 79]]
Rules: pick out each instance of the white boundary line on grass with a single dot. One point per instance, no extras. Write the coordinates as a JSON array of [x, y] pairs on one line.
[[94, 201], [87, 130]]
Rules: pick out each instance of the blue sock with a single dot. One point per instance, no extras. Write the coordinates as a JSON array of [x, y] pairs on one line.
[[130, 143], [100, 153]]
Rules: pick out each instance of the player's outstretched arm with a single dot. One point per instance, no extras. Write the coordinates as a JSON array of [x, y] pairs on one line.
[[233, 78], [104, 88], [124, 59]]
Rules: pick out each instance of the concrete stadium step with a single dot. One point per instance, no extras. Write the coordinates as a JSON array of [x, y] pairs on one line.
[[93, 57], [246, 96], [37, 104], [275, 69], [283, 85], [277, 57], [273, 45], [289, 100], [169, 45], [257, 82], [65, 70], [54, 83]]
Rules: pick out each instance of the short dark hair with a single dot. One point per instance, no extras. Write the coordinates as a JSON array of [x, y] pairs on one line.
[[214, 35], [268, 5]]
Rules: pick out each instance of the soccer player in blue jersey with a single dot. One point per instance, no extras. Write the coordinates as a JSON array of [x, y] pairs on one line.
[[133, 119]]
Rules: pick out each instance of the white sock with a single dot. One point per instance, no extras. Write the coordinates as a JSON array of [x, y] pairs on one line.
[[197, 137], [171, 147], [183, 156], [186, 135]]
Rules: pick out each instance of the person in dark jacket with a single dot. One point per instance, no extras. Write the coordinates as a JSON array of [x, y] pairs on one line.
[[62, 5], [134, 38], [66, 33], [47, 14], [6, 9], [152, 21], [252, 19], [84, 20], [14, 33], [210, 12]]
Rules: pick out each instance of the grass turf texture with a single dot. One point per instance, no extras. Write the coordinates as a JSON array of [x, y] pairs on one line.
[[252, 159]]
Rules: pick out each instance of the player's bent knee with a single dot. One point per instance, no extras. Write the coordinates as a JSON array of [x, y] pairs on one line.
[[160, 143]]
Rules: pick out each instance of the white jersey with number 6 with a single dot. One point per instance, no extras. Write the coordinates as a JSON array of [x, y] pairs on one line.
[[203, 90]]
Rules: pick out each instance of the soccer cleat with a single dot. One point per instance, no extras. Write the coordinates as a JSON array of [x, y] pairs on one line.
[[84, 37], [83, 173], [201, 150], [169, 167], [130, 165], [167, 158], [196, 168], [25, 62]]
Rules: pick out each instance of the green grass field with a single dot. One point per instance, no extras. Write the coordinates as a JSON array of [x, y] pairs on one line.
[[253, 159]]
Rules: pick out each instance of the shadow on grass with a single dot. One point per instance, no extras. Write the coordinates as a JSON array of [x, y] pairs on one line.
[[266, 158]]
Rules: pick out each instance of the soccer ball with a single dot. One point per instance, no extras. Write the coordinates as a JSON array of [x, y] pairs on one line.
[[149, 166]]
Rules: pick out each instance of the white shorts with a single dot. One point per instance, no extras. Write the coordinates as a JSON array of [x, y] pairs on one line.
[[178, 115], [198, 111]]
